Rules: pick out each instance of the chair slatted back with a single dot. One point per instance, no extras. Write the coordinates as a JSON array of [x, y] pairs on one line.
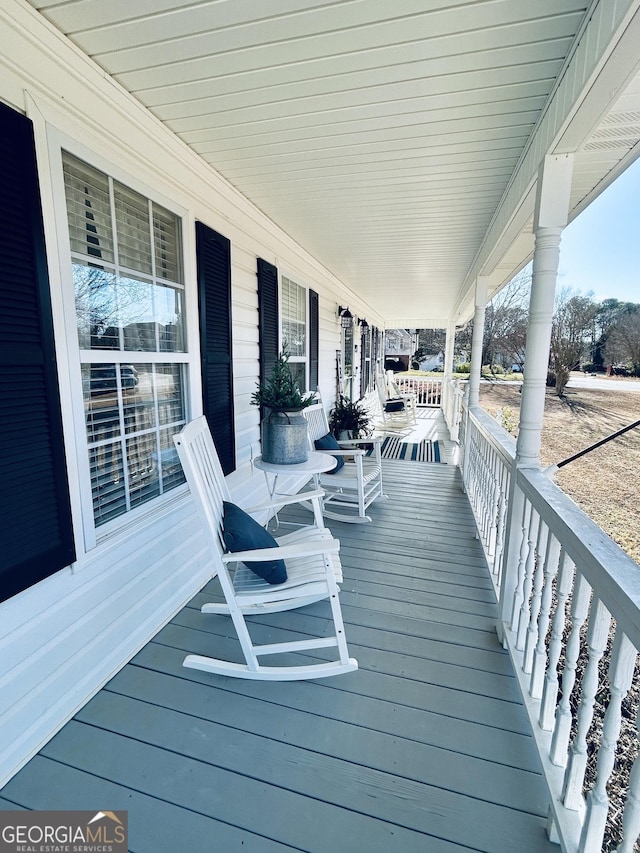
[[204, 474], [317, 422]]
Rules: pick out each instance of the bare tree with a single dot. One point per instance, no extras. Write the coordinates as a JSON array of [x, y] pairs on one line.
[[623, 341], [570, 331], [505, 323]]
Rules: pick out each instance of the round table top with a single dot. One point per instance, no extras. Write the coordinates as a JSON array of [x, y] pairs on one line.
[[317, 463]]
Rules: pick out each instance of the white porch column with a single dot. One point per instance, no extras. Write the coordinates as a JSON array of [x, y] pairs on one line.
[[449, 346], [447, 375], [476, 341], [551, 215], [473, 388], [450, 402]]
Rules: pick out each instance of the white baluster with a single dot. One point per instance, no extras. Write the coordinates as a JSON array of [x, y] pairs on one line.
[[525, 612], [631, 816], [596, 641], [518, 593], [623, 658], [536, 597], [579, 610], [550, 692], [540, 654], [502, 512]]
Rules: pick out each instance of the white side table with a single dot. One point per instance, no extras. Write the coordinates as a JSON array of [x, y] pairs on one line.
[[316, 464]]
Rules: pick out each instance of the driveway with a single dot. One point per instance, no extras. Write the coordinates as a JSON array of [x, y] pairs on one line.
[[603, 383]]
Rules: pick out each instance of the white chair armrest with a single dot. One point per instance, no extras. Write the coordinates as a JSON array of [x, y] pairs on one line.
[[285, 500], [302, 549], [348, 441]]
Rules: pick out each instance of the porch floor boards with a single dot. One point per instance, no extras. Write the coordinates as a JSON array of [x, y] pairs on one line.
[[426, 747]]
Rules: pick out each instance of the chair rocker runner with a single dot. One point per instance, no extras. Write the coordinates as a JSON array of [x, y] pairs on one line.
[[350, 489], [312, 565]]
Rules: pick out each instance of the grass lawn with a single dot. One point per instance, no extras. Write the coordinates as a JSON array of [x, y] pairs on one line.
[[606, 482]]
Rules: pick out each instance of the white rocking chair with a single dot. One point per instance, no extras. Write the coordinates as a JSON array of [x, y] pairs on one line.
[[312, 563], [396, 413], [408, 397], [357, 484]]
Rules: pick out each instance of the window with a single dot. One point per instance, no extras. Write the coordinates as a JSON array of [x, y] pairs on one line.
[[293, 314], [269, 324], [129, 297], [347, 361]]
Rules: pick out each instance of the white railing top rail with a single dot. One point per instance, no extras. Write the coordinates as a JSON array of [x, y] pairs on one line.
[[612, 574]]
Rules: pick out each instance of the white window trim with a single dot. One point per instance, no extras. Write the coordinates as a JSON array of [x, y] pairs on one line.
[[71, 390], [295, 359]]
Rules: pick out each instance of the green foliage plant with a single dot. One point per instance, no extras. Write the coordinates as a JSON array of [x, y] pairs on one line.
[[349, 416], [281, 392]]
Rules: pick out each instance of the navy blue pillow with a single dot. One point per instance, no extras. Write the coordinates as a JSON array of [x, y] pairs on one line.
[[328, 442], [394, 406], [243, 533]]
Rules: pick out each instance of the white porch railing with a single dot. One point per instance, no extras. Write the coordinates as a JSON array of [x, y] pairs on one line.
[[570, 604], [428, 389]]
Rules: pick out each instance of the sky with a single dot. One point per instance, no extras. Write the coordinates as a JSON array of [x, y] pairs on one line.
[[600, 249]]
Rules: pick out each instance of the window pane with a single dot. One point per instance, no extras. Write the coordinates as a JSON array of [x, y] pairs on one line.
[[96, 307], [167, 302], [88, 209], [170, 397], [107, 482], [167, 243], [125, 407], [101, 405], [132, 226], [137, 397], [294, 318], [170, 467], [298, 372], [144, 474], [126, 313]]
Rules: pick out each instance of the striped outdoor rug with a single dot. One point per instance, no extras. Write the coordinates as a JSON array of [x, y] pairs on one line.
[[426, 451]]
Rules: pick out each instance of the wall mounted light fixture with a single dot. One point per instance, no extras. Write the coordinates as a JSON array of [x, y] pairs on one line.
[[364, 325], [346, 317]]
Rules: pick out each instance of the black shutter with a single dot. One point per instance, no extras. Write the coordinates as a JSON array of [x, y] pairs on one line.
[[267, 317], [313, 340], [364, 379], [214, 296], [36, 536]]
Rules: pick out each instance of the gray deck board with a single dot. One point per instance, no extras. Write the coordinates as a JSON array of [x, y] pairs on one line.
[[426, 747]]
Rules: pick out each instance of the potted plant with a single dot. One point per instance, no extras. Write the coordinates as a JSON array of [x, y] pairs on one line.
[[284, 433], [349, 419]]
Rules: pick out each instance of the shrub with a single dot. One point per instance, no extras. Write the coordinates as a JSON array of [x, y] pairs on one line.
[[509, 420], [551, 379], [591, 367], [465, 367]]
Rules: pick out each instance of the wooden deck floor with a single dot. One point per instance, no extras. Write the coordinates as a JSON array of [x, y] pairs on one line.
[[425, 748]]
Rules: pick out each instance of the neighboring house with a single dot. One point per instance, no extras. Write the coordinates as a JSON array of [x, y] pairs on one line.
[[399, 347], [140, 290], [433, 362]]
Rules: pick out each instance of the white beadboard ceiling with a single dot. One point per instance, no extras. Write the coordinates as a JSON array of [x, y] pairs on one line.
[[380, 134]]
